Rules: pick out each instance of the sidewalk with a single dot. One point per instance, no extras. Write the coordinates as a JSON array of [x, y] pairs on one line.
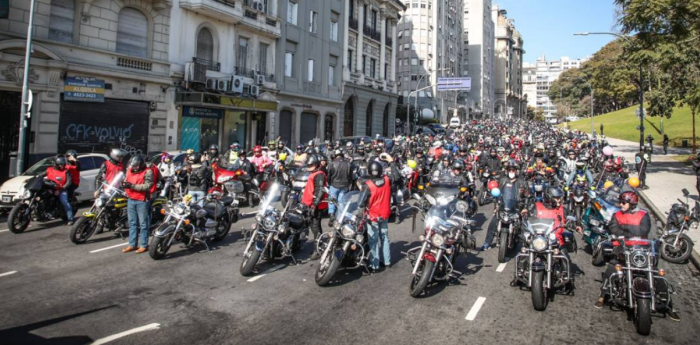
[[666, 178]]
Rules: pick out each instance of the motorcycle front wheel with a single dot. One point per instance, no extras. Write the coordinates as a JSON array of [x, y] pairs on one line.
[[326, 270], [421, 279], [503, 247], [642, 316], [678, 254], [249, 261], [159, 246], [539, 292], [19, 219], [82, 230]]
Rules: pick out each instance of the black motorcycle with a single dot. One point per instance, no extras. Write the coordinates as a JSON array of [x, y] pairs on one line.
[[107, 212], [676, 245], [38, 202], [508, 226]]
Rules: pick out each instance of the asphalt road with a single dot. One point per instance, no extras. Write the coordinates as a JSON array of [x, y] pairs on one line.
[[63, 293]]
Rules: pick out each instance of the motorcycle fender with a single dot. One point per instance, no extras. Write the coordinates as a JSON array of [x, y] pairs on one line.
[[89, 214], [641, 288], [260, 244], [340, 252], [538, 265], [164, 231]]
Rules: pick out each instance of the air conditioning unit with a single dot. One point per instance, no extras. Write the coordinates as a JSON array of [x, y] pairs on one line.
[[258, 6], [259, 79], [236, 84], [223, 85], [254, 90], [195, 74]]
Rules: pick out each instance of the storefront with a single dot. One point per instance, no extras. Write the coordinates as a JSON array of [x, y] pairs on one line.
[[304, 119]]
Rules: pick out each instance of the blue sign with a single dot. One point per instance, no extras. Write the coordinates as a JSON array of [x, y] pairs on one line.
[[84, 89], [204, 113]]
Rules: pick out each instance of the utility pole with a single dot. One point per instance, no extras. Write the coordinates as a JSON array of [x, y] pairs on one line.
[[25, 94]]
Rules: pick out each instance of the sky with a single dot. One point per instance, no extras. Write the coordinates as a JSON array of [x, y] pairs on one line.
[[548, 26]]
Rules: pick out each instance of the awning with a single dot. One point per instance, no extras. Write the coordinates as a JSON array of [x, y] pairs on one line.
[[213, 100]]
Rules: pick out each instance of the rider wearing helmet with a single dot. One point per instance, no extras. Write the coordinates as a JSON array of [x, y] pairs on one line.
[[73, 166], [199, 177], [313, 195], [581, 170], [511, 186], [138, 185], [339, 181], [260, 160], [491, 162], [61, 177], [109, 169]]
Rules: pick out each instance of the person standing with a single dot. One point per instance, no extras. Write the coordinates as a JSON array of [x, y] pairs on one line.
[[137, 185], [601, 129], [199, 176], [313, 195], [650, 140], [62, 178], [641, 161], [73, 166], [665, 144], [339, 179]]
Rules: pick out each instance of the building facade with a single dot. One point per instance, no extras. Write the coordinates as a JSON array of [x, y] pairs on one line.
[[430, 47], [530, 84], [478, 55], [547, 72], [508, 47], [224, 73], [369, 67], [98, 73]]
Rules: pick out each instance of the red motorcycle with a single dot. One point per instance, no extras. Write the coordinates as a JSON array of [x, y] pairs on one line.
[[227, 181]]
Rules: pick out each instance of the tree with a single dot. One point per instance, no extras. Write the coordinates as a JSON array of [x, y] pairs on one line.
[[539, 115]]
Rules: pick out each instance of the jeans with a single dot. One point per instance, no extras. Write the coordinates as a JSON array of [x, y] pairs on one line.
[[65, 201], [336, 194], [379, 232], [197, 196], [139, 219]]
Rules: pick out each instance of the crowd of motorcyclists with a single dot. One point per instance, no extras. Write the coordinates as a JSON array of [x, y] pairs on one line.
[[533, 168]]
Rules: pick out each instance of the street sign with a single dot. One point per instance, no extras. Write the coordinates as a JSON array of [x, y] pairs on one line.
[[84, 89], [448, 84]]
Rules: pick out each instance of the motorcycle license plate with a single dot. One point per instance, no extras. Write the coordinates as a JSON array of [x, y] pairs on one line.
[[7, 198]]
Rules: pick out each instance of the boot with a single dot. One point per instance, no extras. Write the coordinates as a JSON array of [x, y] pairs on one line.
[[331, 220]]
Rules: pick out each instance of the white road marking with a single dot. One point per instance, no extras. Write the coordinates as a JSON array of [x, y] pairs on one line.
[[106, 248], [3, 230], [266, 273], [7, 273], [105, 340], [475, 309], [501, 267]]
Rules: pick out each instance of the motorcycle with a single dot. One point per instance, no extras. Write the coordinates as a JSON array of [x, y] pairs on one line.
[[578, 201], [595, 223], [189, 223], [275, 233], [539, 186], [508, 231], [676, 245], [541, 265], [637, 285], [486, 177], [108, 211], [447, 235], [38, 202], [347, 245]]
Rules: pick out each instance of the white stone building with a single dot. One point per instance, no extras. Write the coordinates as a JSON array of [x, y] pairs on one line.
[[478, 54], [547, 72]]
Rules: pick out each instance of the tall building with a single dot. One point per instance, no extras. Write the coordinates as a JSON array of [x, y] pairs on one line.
[[507, 78], [478, 54], [430, 47], [547, 72], [530, 84], [222, 56], [369, 66]]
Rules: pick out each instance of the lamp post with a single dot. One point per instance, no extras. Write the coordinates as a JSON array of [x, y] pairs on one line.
[[25, 94], [408, 100], [641, 83]]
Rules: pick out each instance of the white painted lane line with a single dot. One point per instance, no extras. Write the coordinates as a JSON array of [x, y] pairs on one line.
[[501, 267], [475, 309], [7, 273], [266, 273], [105, 340], [4, 230], [107, 248]]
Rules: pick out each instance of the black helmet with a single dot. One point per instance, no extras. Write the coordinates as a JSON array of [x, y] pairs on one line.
[[539, 154], [280, 145], [312, 160], [580, 165], [310, 150], [493, 152], [323, 158], [571, 153], [375, 169], [60, 162], [242, 153], [136, 163], [300, 148], [511, 165], [213, 150], [378, 149], [463, 148], [458, 165], [552, 193], [193, 158], [72, 153], [116, 155], [361, 148]]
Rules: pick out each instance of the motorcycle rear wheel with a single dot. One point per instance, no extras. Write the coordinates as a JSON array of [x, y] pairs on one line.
[[642, 316], [82, 230], [679, 255], [420, 281], [539, 292], [503, 247], [18, 221], [220, 235], [325, 274]]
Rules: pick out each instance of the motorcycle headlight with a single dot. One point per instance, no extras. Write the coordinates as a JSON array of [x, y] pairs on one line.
[[539, 243], [359, 238], [437, 240], [259, 218], [538, 188], [348, 231], [99, 202], [639, 260], [234, 186], [179, 209], [269, 222], [462, 206]]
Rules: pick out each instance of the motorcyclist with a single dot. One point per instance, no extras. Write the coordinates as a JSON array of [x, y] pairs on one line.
[[552, 208], [466, 180], [137, 185], [232, 154], [580, 170], [569, 163], [260, 161], [198, 174], [300, 155], [61, 177], [491, 162], [339, 181], [313, 195], [167, 172], [73, 165], [109, 169], [511, 186]]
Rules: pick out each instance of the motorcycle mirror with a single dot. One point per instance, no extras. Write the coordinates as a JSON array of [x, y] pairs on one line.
[[686, 193]]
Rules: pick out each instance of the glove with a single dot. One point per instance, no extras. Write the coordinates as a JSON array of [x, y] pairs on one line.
[[127, 185]]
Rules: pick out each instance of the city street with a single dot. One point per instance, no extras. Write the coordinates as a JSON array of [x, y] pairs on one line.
[[55, 292]]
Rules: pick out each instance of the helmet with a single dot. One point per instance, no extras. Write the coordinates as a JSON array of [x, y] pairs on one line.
[[378, 149], [571, 153], [629, 197], [166, 158], [300, 148], [280, 145], [437, 144], [242, 153], [234, 146], [580, 165], [271, 144], [493, 152], [411, 164], [192, 158], [116, 155], [189, 151], [553, 193], [60, 162], [257, 150], [323, 158], [136, 163], [539, 155], [312, 160], [580, 179], [608, 184], [214, 150], [375, 169], [458, 165], [463, 148], [282, 156], [511, 165], [309, 150], [608, 166], [617, 162], [72, 153], [348, 145], [633, 182]]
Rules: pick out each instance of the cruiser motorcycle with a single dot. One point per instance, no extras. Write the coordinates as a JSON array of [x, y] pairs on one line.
[[108, 211], [38, 202], [676, 246]]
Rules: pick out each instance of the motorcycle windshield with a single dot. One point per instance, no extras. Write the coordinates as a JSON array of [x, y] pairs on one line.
[[272, 195], [438, 214], [444, 188], [509, 198], [348, 205], [540, 226], [113, 185]]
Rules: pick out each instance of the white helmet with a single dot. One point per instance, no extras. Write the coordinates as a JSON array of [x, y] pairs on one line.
[[437, 144]]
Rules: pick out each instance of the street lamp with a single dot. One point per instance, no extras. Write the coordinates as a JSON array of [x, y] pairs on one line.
[[641, 85], [408, 100], [25, 93]]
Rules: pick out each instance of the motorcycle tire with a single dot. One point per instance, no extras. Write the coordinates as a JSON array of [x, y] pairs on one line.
[[220, 235], [17, 222], [82, 230], [642, 316], [249, 263], [539, 292], [420, 281], [159, 247], [685, 248], [502, 248], [482, 199], [598, 258], [323, 277]]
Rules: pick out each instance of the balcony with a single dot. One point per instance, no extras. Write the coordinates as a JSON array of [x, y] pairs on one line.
[[252, 14], [134, 63], [353, 23], [244, 72], [227, 3], [209, 65], [372, 33]]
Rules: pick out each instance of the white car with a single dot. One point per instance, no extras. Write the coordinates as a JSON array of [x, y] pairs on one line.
[[455, 123], [89, 165]]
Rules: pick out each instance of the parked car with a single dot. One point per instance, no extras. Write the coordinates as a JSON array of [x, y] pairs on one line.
[[425, 130], [455, 123], [90, 164], [178, 157], [437, 128]]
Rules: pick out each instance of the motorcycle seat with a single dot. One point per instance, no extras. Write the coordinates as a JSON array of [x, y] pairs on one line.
[[227, 200], [214, 210]]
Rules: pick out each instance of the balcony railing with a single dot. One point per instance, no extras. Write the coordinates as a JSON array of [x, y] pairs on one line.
[[353, 23], [244, 72], [250, 14], [227, 2], [210, 65], [134, 63], [312, 87], [372, 33], [389, 42]]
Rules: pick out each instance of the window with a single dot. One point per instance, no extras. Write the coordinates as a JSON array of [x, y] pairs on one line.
[[414, 77], [288, 61], [312, 21], [374, 20], [352, 9], [86, 163], [242, 56], [132, 33], [364, 64], [292, 8], [331, 75], [310, 70], [334, 31], [205, 45], [373, 68], [350, 54], [414, 62], [421, 62], [262, 63], [386, 71], [62, 20]]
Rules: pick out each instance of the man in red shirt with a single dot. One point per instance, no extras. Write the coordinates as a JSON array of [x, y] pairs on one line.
[[137, 185], [73, 167], [313, 195], [63, 181], [109, 169]]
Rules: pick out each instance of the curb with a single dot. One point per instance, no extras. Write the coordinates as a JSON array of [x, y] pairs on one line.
[[694, 256]]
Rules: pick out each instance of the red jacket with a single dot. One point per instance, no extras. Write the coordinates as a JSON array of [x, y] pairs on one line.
[[308, 197], [60, 177], [553, 213], [135, 179], [111, 170], [380, 200], [74, 174]]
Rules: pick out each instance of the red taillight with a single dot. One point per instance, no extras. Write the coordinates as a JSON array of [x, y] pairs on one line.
[[429, 256]]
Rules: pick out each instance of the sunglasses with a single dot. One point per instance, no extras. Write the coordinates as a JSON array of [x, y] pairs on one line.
[[624, 203]]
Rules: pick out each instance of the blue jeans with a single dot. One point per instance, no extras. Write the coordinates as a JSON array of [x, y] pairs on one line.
[[337, 194], [65, 201], [197, 196], [139, 219], [379, 232]]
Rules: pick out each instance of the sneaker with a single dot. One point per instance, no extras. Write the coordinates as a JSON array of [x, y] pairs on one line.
[[485, 247], [673, 315], [600, 303], [71, 222]]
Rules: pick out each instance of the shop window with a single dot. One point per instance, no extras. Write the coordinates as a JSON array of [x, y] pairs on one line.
[[62, 20], [132, 33], [205, 45], [235, 128]]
